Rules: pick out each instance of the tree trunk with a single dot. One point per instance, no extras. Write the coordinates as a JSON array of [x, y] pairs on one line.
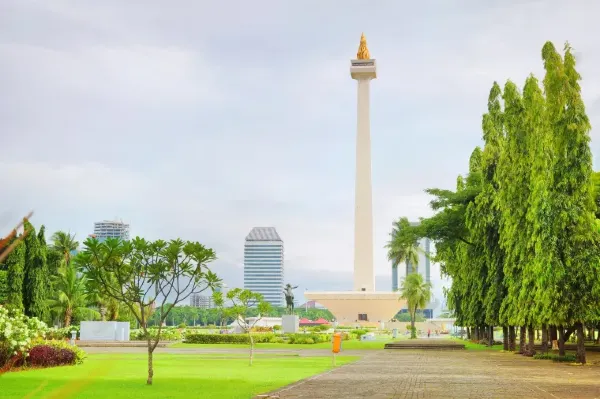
[[580, 343], [68, 314], [544, 338], [512, 337], [531, 343], [251, 347], [150, 368], [505, 338], [553, 333], [491, 335], [561, 341], [522, 339], [469, 333]]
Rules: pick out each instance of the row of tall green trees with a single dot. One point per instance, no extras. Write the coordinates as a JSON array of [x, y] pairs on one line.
[[39, 279], [519, 235]]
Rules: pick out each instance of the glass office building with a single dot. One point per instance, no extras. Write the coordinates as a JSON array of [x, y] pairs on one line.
[[263, 264]]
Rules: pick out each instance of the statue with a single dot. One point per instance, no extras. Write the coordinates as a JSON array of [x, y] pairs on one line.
[[289, 298], [363, 51]]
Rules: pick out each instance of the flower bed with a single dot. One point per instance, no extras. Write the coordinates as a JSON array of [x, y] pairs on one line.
[[17, 333]]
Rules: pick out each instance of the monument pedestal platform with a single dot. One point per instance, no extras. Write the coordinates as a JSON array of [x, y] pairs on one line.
[[365, 308]]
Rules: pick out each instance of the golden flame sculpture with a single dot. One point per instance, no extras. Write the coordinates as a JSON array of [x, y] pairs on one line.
[[363, 50]]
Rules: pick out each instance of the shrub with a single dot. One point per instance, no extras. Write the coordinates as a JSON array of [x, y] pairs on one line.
[[54, 353], [276, 327], [79, 354], [262, 329], [166, 334], [16, 333], [555, 358], [182, 325], [308, 338], [227, 338], [62, 333]]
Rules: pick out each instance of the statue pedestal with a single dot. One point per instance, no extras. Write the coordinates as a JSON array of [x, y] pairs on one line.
[[290, 324]]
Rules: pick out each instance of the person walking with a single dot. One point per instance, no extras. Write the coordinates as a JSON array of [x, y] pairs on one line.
[[428, 333]]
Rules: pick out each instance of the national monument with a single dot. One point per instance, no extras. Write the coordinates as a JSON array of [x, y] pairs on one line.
[[363, 305]]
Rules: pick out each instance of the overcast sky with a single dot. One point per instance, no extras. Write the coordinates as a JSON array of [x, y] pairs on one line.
[[201, 119]]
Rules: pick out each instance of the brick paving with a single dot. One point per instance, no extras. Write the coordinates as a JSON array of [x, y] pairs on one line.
[[403, 374]]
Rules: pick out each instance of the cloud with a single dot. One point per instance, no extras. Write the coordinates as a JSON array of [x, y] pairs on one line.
[[201, 121]]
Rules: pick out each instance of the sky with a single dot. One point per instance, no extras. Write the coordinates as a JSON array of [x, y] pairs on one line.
[[201, 120]]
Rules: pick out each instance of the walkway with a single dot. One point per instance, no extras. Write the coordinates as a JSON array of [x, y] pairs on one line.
[[399, 374]]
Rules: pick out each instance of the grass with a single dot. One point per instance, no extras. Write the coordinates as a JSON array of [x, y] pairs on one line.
[[478, 347], [175, 376], [352, 344]]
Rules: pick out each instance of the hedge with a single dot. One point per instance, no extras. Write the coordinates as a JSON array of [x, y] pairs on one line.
[[228, 338], [258, 338]]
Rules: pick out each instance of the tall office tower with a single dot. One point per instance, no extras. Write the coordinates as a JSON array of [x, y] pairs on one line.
[[263, 264], [111, 229]]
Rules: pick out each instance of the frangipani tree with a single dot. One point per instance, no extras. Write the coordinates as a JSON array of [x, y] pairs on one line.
[[147, 275], [241, 301]]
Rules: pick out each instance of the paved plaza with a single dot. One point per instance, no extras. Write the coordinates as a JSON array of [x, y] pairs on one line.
[[399, 374]]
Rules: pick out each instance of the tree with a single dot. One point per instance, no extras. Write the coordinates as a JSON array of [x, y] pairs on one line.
[[242, 301], [569, 285], [403, 246], [3, 287], [36, 274], [417, 294], [483, 220], [70, 294], [64, 243], [15, 267], [136, 272]]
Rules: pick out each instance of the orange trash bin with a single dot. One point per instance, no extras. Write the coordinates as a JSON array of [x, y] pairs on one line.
[[337, 343]]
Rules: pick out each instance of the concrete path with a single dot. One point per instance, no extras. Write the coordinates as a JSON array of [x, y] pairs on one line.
[[399, 374]]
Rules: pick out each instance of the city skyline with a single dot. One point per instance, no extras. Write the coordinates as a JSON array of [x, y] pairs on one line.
[[168, 129]]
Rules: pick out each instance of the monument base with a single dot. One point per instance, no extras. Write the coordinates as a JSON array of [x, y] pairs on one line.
[[363, 308], [290, 324]]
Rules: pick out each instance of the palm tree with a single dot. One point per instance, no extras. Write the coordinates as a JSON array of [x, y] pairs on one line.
[[71, 294], [403, 246], [64, 243], [417, 294]]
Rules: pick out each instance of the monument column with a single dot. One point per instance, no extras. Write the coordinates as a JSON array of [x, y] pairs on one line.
[[363, 69]]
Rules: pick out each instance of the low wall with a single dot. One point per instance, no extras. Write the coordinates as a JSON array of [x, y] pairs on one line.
[[104, 331]]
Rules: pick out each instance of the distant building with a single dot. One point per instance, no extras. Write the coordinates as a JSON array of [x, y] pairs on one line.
[[111, 229], [263, 264], [201, 301]]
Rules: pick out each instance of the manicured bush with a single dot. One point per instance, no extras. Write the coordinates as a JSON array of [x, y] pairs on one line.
[[308, 338], [227, 338], [276, 327], [54, 353], [79, 354], [262, 329], [555, 357], [166, 334]]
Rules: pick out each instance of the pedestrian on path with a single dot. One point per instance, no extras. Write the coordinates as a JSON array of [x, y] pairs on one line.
[[428, 333]]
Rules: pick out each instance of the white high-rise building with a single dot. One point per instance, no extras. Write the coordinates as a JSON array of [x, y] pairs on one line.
[[111, 229], [263, 264]]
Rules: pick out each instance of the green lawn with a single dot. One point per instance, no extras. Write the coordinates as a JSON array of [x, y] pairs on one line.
[[478, 347], [353, 344], [175, 376]]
